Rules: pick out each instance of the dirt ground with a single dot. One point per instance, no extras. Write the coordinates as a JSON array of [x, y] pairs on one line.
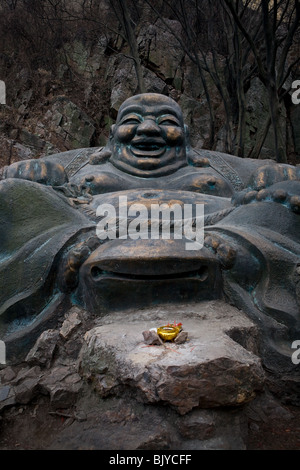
[[276, 434], [35, 426]]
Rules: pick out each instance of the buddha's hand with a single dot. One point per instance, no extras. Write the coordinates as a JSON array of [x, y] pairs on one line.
[[71, 263], [286, 193], [225, 253], [40, 171]]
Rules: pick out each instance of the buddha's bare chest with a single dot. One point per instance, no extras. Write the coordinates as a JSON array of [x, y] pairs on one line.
[[104, 180]]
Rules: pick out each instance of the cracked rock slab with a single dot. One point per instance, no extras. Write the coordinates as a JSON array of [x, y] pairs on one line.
[[209, 370]]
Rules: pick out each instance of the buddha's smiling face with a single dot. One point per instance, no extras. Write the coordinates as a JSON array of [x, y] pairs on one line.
[[149, 137]]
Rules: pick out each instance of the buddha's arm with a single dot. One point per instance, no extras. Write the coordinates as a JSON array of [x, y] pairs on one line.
[[273, 183], [267, 175], [44, 172]]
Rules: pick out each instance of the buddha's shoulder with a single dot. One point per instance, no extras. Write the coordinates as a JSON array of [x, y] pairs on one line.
[[235, 169]]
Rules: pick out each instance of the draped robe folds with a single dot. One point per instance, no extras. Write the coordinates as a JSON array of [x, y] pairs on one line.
[[36, 223]]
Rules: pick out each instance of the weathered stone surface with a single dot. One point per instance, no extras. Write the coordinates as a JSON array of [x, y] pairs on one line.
[[7, 374], [27, 390], [124, 423], [63, 385], [152, 41], [43, 350], [57, 379], [213, 429], [121, 73], [200, 424], [19, 388], [7, 396], [71, 323], [267, 407], [115, 355], [4, 392], [181, 338], [26, 384], [118, 425], [70, 123], [151, 337]]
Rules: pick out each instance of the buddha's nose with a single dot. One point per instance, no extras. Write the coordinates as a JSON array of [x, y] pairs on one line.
[[149, 128]]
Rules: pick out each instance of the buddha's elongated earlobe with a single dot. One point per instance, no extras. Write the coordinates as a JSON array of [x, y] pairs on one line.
[[187, 137], [111, 132]]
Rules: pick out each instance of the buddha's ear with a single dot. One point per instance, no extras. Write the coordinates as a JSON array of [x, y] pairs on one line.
[[112, 131], [111, 135]]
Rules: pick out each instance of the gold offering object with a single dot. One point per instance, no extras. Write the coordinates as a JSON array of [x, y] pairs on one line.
[[168, 332]]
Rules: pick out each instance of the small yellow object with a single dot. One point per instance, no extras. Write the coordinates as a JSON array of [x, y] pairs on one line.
[[168, 332]]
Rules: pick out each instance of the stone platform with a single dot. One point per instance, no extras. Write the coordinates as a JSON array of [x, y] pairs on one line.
[[217, 366], [117, 392]]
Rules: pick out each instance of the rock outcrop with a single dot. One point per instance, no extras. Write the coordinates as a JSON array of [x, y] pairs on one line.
[[106, 365]]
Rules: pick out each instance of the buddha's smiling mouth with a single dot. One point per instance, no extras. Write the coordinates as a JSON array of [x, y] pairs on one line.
[[148, 147]]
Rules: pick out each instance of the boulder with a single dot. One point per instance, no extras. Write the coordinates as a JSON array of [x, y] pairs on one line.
[[63, 385], [70, 123], [43, 350], [26, 384], [7, 396], [71, 323], [209, 370]]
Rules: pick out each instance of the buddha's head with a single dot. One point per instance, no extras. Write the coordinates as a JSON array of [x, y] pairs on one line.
[[149, 138]]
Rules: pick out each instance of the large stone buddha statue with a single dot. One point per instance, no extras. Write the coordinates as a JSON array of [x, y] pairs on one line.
[[50, 250]]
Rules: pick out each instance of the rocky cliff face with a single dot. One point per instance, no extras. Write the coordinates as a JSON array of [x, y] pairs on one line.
[[74, 104]]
